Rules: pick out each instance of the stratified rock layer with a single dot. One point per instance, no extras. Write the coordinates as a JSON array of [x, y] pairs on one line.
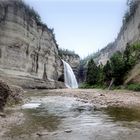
[[129, 33], [28, 50]]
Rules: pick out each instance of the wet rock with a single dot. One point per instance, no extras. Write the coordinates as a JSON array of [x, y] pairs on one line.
[[83, 108], [96, 108], [82, 100], [68, 131], [55, 133], [41, 134], [2, 115], [102, 94]]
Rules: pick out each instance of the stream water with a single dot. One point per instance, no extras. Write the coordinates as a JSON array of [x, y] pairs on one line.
[[66, 118]]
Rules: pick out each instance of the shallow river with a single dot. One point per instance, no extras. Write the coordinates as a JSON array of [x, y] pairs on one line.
[[66, 118]]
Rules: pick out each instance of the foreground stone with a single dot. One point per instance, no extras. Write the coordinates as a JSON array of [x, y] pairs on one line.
[[9, 95], [16, 95], [68, 131], [5, 91]]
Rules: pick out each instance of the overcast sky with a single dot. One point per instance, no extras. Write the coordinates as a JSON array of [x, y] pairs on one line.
[[84, 26]]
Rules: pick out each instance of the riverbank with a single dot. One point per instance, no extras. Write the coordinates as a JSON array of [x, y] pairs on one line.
[[98, 98]]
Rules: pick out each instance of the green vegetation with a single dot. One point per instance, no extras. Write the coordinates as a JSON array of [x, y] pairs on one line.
[[135, 87], [112, 68], [92, 73], [115, 70], [95, 57], [29, 10], [87, 86], [32, 14], [62, 52], [132, 6]]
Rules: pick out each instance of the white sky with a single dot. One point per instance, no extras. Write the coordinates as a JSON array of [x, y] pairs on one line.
[[83, 26]]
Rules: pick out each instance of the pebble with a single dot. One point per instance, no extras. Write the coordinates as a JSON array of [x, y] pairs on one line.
[[41, 134], [68, 131], [2, 115]]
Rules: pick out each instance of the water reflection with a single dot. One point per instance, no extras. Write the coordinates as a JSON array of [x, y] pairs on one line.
[[123, 114], [57, 114], [36, 120]]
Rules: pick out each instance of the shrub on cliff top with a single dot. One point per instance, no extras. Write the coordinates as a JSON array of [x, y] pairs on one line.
[[32, 14], [66, 52], [132, 6], [28, 10]]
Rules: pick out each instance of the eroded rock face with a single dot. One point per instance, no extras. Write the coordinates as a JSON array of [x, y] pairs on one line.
[[129, 33], [27, 48]]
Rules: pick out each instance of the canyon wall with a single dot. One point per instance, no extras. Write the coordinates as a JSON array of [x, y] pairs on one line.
[[129, 33], [28, 50]]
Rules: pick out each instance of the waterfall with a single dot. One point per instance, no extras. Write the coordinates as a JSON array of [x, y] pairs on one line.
[[69, 77]]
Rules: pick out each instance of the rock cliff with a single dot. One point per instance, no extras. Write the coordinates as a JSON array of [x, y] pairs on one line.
[[28, 49], [129, 33]]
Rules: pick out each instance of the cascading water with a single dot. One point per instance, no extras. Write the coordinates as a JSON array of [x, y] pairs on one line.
[[69, 77]]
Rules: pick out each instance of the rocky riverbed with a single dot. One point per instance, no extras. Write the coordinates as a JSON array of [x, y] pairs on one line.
[[98, 97], [73, 114]]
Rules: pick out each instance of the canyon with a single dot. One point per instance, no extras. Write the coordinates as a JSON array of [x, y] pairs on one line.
[[129, 33], [28, 49]]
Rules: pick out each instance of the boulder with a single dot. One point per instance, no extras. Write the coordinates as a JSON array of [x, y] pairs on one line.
[[16, 95], [5, 91]]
